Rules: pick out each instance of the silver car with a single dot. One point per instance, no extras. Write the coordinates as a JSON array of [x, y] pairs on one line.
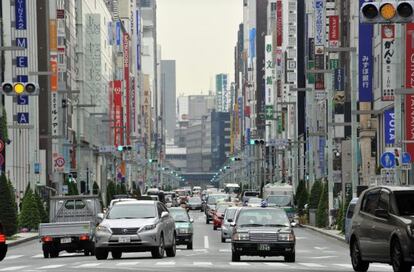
[[226, 228], [136, 226]]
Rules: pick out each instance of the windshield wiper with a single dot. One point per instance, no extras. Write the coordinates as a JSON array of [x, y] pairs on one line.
[[276, 225], [252, 225], [180, 221]]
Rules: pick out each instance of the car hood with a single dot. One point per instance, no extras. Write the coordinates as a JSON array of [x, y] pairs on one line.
[[264, 229], [128, 223], [183, 225]]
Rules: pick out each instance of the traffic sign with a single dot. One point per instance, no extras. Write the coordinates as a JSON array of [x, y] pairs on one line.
[[59, 161], [65, 189], [1, 146], [406, 158], [388, 160]]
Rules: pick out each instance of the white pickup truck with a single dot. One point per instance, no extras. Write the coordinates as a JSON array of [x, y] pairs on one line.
[[72, 228]]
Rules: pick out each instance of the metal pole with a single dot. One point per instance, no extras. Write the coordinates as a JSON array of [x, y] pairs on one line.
[[330, 135], [354, 124]]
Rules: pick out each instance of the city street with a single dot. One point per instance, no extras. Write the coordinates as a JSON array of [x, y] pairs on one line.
[[314, 252]]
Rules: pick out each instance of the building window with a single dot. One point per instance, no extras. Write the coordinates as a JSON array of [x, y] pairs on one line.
[[146, 3]]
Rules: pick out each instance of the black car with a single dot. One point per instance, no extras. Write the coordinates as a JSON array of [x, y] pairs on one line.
[[383, 228], [3, 245]]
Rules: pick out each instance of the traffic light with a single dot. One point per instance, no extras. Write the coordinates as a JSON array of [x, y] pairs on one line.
[[19, 88], [152, 160], [124, 148], [386, 12], [257, 142]]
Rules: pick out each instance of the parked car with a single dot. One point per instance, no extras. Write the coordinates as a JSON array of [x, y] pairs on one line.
[[212, 200], [348, 217], [183, 227], [254, 202], [3, 245], [72, 225], [139, 226], [170, 201], [226, 228], [194, 203], [248, 194], [218, 214], [262, 232], [383, 228]]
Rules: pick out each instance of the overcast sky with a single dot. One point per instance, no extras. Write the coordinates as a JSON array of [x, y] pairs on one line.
[[200, 35]]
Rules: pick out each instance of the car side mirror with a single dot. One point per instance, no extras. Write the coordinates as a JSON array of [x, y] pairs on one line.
[[164, 214], [230, 220], [100, 217], [381, 213], [191, 220], [293, 224]]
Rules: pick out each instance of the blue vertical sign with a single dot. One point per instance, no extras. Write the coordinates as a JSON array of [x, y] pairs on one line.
[[247, 136], [339, 79], [389, 127], [321, 151], [138, 24], [252, 41], [20, 14], [22, 117], [365, 60], [118, 33]]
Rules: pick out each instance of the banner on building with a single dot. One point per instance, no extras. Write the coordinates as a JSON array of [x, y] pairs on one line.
[[125, 44], [279, 23], [334, 31], [409, 83], [389, 127], [269, 70], [20, 14], [320, 23], [365, 61], [117, 111], [389, 62], [319, 78]]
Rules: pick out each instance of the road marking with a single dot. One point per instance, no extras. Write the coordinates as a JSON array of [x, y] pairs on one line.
[[12, 257], [344, 265], [320, 248], [312, 265], [276, 264], [380, 265], [38, 256], [322, 257], [14, 268], [88, 265], [206, 245], [67, 254], [200, 249], [165, 263], [202, 263], [51, 266], [239, 264], [128, 264], [225, 250]]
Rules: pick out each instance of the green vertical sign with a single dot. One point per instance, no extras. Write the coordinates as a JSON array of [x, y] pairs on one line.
[[311, 77]]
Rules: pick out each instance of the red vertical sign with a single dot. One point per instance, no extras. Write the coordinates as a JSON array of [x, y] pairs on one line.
[[117, 113], [127, 86], [409, 83], [334, 30], [279, 23]]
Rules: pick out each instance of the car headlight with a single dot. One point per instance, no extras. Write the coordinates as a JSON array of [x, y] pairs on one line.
[[103, 229], [147, 228], [184, 231], [241, 236], [286, 237]]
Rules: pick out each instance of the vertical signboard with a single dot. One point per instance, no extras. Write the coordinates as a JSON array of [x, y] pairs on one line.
[[320, 23], [125, 44], [389, 127], [279, 23], [409, 83], [117, 104], [389, 62], [54, 77], [365, 60], [334, 31], [20, 14], [269, 69]]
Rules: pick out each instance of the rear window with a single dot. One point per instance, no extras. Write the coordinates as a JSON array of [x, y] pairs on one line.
[[230, 213], [251, 194], [405, 202], [74, 205]]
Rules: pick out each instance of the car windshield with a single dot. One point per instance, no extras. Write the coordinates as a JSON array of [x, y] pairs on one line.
[[405, 202], [230, 213], [250, 194], [179, 215], [132, 211], [255, 200], [195, 200], [279, 200], [262, 217]]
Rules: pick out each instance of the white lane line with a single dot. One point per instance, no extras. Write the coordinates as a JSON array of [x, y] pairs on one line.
[[312, 265], [380, 265], [13, 268], [12, 257], [206, 245], [53, 266], [322, 257], [345, 265], [276, 264], [128, 264], [225, 250], [202, 263], [200, 249], [38, 256], [239, 264], [165, 263], [320, 248], [88, 265]]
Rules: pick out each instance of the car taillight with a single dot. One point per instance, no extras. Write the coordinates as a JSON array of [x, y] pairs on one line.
[[2, 238], [84, 238], [47, 239]]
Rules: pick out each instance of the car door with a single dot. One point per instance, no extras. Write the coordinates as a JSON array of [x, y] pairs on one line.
[[381, 229], [170, 224], [365, 221]]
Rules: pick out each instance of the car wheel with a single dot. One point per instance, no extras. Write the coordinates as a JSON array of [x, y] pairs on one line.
[[54, 253], [397, 258], [46, 251], [101, 254], [235, 257], [158, 252], [86, 253], [2, 254], [116, 255], [172, 250], [190, 245], [357, 263], [207, 220], [214, 227], [290, 258], [223, 240]]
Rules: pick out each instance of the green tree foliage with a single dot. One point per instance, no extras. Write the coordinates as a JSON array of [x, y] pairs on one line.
[[322, 212], [315, 194], [301, 197], [121, 189], [95, 188], [110, 192], [8, 214], [12, 194], [29, 216], [3, 127], [44, 218], [72, 187], [340, 218]]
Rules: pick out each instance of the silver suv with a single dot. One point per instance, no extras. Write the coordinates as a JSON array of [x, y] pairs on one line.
[[135, 226]]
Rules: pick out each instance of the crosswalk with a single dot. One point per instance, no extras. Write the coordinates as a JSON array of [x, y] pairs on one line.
[[170, 264]]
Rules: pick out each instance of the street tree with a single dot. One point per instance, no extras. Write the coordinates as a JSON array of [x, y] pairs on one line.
[[322, 217], [8, 213], [44, 218], [315, 195], [29, 216]]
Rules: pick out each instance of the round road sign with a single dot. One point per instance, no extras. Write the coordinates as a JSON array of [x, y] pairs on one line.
[[1, 146], [59, 162]]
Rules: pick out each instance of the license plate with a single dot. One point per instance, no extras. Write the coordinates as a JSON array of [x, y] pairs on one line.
[[124, 239], [264, 247], [65, 240]]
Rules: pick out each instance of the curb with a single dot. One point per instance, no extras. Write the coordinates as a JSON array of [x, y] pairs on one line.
[[21, 241], [335, 236]]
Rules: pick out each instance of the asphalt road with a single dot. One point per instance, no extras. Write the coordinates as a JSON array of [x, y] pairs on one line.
[[314, 252]]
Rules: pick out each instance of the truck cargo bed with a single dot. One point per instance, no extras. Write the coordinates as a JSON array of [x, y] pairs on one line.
[[66, 229]]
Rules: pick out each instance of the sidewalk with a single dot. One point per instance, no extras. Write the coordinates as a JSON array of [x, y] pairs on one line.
[[336, 234], [22, 237]]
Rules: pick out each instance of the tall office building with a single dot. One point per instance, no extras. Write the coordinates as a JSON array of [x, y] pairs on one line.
[[168, 93]]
